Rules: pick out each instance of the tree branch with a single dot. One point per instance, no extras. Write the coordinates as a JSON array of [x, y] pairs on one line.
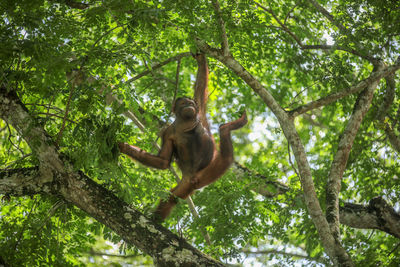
[[284, 253], [23, 182], [393, 138], [16, 114], [328, 16], [75, 78], [377, 215], [342, 48], [159, 65], [75, 187], [72, 4], [340, 159], [224, 37], [375, 76], [101, 204], [93, 252], [266, 188], [282, 25], [383, 109], [334, 250], [343, 30], [388, 97], [318, 46], [111, 98]]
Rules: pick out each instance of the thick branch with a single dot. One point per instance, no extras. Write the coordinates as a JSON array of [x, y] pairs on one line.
[[388, 98], [373, 78], [393, 138], [15, 114], [334, 250], [383, 109], [75, 187], [24, 182], [377, 215], [340, 160], [165, 247]]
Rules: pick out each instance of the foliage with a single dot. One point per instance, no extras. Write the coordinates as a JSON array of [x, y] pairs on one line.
[[110, 42]]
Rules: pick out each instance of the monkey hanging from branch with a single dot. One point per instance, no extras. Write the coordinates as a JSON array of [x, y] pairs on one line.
[[190, 141]]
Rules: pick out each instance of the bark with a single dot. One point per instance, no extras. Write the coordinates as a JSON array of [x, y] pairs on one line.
[[383, 110], [78, 189], [393, 138], [377, 215], [339, 162], [388, 97], [347, 138], [55, 176]]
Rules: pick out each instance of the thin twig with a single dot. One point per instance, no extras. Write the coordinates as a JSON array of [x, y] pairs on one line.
[[283, 26], [139, 124], [178, 67], [12, 143], [101, 254], [375, 76], [288, 14], [329, 16], [159, 65], [394, 249], [107, 32], [44, 105], [57, 116], [317, 46], [290, 254], [50, 214], [16, 161], [221, 22], [25, 224], [73, 84]]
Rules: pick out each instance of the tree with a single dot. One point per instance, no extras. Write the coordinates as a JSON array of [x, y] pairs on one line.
[[317, 172]]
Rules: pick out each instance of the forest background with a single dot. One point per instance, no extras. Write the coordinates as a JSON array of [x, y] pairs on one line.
[[316, 176]]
